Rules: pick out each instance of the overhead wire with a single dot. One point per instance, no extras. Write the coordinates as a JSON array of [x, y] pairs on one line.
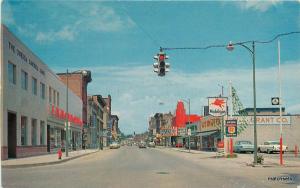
[[236, 43], [156, 43]]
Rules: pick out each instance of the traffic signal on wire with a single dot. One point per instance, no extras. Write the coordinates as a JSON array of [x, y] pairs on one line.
[[160, 66]]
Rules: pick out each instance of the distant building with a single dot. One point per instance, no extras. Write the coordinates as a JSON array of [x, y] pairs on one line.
[[107, 120], [115, 127]]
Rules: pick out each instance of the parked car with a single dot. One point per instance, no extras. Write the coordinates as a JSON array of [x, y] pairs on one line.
[[151, 144], [271, 147], [114, 145], [142, 145], [243, 146]]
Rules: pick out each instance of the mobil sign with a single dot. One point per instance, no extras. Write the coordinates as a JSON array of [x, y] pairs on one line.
[[217, 106]]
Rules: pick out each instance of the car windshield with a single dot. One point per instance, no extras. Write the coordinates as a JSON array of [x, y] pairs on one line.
[[274, 143], [245, 142]]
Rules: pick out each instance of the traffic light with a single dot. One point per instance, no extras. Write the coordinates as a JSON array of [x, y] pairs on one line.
[[161, 67]]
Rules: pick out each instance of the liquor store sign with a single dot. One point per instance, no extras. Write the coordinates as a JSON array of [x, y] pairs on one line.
[[267, 120]]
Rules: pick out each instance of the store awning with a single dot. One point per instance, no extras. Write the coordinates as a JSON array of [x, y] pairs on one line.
[[206, 133]]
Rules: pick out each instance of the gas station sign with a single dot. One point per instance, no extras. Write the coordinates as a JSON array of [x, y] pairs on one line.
[[231, 128]]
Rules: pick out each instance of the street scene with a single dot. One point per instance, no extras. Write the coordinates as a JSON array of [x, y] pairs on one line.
[[150, 94], [130, 166]]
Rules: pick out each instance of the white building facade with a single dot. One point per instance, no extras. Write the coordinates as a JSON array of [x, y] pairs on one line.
[[33, 103]]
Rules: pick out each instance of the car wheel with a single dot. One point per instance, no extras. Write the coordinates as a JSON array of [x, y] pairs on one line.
[[259, 150], [269, 152], [282, 152]]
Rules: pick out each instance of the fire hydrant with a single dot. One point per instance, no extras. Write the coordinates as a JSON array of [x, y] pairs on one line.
[[59, 153]]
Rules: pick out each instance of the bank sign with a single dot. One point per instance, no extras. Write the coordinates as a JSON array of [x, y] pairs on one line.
[[267, 120], [217, 106]]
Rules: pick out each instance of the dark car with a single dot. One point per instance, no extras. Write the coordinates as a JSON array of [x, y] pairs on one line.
[[193, 145]]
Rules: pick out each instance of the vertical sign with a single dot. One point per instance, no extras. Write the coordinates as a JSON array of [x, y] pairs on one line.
[[231, 128]]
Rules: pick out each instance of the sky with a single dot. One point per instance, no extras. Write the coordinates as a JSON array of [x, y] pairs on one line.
[[117, 40]]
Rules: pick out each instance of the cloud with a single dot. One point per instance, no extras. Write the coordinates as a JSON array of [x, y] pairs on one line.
[[78, 19], [136, 90], [261, 6], [66, 33], [7, 14]]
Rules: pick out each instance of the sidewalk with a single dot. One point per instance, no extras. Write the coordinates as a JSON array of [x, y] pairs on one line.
[[242, 159], [47, 159]]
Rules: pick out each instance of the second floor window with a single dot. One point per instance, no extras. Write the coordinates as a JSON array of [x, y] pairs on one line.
[[43, 90], [34, 86], [50, 95], [24, 80], [11, 72]]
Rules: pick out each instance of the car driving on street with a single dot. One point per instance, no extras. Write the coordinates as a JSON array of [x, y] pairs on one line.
[[114, 145]]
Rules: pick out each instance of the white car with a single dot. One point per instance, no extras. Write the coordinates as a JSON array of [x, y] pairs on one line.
[[114, 145], [271, 147]]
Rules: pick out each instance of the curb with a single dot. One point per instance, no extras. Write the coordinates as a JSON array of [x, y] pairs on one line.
[[46, 163]]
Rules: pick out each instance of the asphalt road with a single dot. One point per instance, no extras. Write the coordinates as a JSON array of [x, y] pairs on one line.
[[133, 168]]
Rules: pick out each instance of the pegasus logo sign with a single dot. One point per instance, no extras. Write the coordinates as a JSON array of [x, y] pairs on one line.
[[217, 106]]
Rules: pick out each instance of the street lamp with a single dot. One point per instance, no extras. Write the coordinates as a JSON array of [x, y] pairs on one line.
[[230, 47], [84, 73], [189, 103]]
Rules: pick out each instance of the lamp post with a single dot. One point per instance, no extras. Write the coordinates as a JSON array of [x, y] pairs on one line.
[[189, 103], [67, 118], [230, 47]]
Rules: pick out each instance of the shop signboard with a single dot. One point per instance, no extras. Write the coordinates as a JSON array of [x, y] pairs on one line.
[[166, 132], [174, 131], [210, 123], [217, 106], [267, 120], [231, 128], [181, 131]]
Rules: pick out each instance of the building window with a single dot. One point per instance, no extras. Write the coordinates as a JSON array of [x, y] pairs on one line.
[[11, 72], [43, 90], [23, 130], [24, 80], [50, 95], [33, 131], [34, 86], [54, 97], [57, 98], [42, 133]]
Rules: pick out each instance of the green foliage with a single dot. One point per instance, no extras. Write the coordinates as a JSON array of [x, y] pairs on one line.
[[234, 155], [260, 159]]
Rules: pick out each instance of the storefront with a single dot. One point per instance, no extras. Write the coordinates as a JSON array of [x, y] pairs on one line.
[[268, 129], [209, 132]]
